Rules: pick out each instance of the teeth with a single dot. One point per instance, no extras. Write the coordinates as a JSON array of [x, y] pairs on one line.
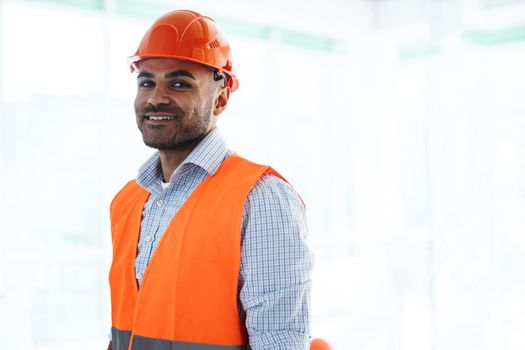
[[153, 117]]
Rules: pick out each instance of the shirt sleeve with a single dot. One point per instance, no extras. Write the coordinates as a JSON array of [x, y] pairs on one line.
[[276, 266]]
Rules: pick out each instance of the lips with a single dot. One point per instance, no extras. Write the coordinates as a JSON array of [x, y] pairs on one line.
[[159, 116]]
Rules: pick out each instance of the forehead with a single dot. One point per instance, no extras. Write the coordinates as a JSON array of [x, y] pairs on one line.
[[161, 66]]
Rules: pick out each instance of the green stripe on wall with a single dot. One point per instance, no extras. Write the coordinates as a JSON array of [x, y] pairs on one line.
[[411, 52], [483, 37], [142, 9], [244, 29], [307, 40]]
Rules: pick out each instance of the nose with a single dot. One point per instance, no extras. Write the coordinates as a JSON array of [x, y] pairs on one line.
[[158, 96]]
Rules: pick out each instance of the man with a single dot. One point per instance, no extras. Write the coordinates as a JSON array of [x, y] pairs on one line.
[[208, 248]]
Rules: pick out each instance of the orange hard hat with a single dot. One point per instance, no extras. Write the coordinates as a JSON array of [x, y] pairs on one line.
[[319, 344], [189, 36]]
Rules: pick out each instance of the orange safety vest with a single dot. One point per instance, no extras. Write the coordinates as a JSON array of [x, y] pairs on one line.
[[188, 296]]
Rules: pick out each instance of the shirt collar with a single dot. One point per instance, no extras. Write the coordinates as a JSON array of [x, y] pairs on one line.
[[208, 155]]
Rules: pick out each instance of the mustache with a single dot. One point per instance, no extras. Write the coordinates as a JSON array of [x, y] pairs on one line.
[[172, 109]]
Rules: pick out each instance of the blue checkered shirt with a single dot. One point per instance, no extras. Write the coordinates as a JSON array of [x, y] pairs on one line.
[[274, 279]]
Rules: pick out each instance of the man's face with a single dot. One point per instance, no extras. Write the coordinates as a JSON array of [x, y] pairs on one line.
[[177, 102]]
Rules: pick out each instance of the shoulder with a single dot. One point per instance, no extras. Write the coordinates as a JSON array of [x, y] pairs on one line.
[[271, 182], [273, 195]]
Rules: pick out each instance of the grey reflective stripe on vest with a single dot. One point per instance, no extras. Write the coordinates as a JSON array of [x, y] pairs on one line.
[[120, 339], [145, 343]]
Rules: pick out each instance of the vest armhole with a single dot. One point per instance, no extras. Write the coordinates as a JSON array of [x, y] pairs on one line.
[[271, 171], [267, 170]]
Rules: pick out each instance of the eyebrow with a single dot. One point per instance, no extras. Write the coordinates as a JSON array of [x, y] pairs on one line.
[[175, 74]]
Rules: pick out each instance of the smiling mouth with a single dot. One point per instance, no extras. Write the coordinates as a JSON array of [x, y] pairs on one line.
[[158, 117]]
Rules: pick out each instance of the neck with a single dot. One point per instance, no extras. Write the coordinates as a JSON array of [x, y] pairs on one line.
[[170, 159]]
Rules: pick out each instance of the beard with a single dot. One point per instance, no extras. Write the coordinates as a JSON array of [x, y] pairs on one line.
[[186, 130]]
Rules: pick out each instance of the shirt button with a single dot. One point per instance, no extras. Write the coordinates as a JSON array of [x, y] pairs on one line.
[[159, 202], [147, 238], [138, 275]]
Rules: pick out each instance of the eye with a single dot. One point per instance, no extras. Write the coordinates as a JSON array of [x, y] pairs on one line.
[[146, 84], [179, 84]]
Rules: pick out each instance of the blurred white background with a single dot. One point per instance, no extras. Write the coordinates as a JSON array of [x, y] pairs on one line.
[[401, 123]]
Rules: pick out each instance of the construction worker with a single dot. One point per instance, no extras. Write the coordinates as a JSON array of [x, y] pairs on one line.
[[209, 248]]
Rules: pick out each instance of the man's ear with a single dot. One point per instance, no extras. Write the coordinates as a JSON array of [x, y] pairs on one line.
[[221, 101]]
